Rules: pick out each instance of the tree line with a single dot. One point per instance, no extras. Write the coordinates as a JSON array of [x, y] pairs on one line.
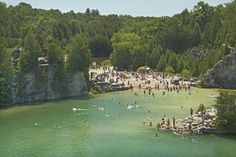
[[188, 43]]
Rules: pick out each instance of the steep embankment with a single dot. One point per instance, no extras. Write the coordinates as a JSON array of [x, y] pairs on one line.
[[47, 83], [223, 74]]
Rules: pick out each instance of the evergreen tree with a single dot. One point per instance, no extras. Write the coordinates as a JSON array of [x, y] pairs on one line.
[[78, 54], [226, 112]]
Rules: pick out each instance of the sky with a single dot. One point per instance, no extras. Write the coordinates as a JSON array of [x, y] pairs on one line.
[[120, 7]]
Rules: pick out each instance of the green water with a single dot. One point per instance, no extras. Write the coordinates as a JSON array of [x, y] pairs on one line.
[[91, 133]]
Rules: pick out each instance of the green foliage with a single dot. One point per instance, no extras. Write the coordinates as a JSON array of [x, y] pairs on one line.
[[96, 89], [226, 111], [106, 62], [30, 53], [186, 73], [5, 90], [146, 40], [128, 53], [188, 43], [5, 59], [100, 45], [31, 44], [26, 62], [169, 70], [177, 41], [5, 75], [162, 63], [78, 54], [201, 109], [54, 54]]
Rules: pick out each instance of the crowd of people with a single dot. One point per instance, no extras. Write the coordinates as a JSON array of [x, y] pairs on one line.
[[142, 80]]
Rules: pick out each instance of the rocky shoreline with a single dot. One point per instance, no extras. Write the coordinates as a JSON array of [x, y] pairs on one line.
[[198, 123]]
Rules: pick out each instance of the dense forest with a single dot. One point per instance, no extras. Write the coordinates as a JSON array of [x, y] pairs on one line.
[[188, 43], [226, 112]]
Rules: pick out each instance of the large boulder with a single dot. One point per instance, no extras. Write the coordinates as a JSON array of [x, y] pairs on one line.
[[223, 74]]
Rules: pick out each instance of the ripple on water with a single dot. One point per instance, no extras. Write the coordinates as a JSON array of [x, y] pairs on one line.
[[62, 132]]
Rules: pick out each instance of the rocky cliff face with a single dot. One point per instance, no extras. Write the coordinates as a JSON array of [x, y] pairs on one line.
[[29, 88], [223, 74]]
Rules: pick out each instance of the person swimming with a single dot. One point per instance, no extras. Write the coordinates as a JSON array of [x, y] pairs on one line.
[[57, 126], [150, 124]]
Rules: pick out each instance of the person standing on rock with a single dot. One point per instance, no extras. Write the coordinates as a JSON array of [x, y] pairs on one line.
[[168, 122], [174, 122], [190, 127], [163, 121], [191, 112]]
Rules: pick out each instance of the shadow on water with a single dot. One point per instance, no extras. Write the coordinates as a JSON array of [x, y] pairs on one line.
[[36, 103], [230, 136]]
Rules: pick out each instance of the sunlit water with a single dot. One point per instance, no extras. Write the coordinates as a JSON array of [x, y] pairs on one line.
[[61, 132]]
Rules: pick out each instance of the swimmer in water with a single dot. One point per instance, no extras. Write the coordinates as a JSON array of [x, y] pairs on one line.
[[150, 124]]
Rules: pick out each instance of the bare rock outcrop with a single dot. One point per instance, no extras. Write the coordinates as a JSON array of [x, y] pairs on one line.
[[48, 83], [223, 74]]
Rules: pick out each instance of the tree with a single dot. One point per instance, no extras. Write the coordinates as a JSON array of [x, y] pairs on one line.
[[30, 53], [186, 73], [4, 59], [78, 54], [5, 90], [54, 54], [154, 57], [87, 12], [128, 51], [5, 75], [162, 63], [202, 13], [201, 109], [100, 46], [169, 70], [226, 111], [95, 12], [121, 57]]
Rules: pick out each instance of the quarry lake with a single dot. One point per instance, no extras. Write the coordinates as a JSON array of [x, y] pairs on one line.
[[105, 127]]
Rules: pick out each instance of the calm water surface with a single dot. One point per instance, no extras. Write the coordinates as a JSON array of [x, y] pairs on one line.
[[116, 132]]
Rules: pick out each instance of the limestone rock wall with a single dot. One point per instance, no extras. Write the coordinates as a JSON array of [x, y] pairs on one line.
[[27, 88], [223, 74]]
